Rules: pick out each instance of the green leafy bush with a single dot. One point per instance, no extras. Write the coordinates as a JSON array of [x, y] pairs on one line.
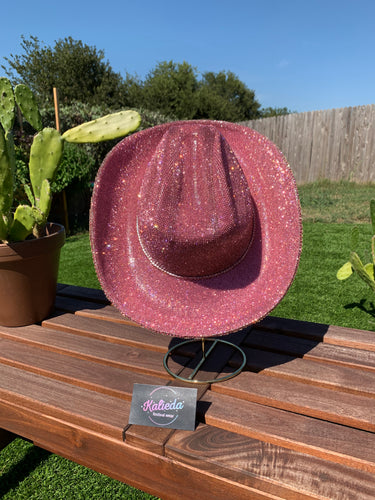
[[152, 118], [76, 164]]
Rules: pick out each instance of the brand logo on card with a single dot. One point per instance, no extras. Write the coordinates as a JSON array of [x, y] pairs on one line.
[[163, 406]]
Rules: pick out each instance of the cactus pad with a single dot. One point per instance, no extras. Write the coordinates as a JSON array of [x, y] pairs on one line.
[[45, 156], [28, 106], [369, 268], [105, 128], [29, 194], [345, 271], [361, 270], [44, 203], [7, 104], [25, 218]]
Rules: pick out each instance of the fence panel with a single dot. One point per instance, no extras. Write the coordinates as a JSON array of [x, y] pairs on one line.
[[333, 144]]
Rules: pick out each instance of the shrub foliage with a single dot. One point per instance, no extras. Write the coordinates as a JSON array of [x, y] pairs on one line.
[[80, 73]]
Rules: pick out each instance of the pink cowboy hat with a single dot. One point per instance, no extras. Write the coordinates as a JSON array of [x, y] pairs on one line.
[[195, 227]]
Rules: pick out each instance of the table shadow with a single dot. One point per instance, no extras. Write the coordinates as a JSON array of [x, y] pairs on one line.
[[18, 472], [263, 347], [368, 309]]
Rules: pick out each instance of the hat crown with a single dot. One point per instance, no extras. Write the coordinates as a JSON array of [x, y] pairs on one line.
[[195, 211]]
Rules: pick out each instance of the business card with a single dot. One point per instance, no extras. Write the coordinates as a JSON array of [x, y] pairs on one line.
[[163, 406]]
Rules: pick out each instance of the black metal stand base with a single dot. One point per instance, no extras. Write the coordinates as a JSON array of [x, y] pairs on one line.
[[205, 354]]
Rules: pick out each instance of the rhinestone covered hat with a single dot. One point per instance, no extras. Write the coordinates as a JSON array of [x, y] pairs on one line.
[[195, 227], [197, 220]]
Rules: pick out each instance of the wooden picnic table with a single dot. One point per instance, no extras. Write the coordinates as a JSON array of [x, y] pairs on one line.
[[297, 423]]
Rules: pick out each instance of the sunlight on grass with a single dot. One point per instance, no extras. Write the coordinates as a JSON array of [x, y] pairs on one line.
[[316, 294], [76, 265], [344, 201], [28, 472]]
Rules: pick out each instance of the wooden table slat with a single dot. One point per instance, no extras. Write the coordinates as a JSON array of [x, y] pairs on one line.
[[309, 349], [330, 376], [108, 331], [83, 293], [106, 353], [330, 334], [336, 443], [333, 406], [154, 440], [91, 309], [277, 470], [79, 406], [83, 373]]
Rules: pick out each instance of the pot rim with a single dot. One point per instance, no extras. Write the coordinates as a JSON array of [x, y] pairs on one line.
[[25, 249]]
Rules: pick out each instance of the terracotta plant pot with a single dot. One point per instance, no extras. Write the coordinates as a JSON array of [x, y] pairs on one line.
[[28, 277]]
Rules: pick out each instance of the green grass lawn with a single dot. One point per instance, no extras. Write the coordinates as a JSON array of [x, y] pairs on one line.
[[329, 212], [316, 294], [76, 265]]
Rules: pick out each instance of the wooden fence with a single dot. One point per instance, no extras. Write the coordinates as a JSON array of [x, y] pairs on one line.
[[333, 144]]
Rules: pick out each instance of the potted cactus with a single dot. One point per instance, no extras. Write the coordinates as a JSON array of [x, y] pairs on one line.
[[29, 244]]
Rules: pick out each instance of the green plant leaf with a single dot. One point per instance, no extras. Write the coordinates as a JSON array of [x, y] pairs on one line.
[[369, 268], [345, 271], [356, 262], [6, 174], [359, 268]]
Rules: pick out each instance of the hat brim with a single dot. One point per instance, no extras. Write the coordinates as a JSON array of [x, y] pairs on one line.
[[208, 306]]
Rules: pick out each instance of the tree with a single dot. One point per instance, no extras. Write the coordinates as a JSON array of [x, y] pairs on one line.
[[171, 88], [133, 90], [175, 90], [76, 69], [223, 96], [269, 112]]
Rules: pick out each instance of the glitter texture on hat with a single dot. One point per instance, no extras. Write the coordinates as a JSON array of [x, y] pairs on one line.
[[195, 227]]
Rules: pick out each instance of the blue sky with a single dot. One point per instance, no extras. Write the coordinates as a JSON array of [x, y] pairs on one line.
[[305, 55]]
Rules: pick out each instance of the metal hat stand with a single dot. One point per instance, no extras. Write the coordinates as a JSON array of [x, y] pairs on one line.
[[205, 355]]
